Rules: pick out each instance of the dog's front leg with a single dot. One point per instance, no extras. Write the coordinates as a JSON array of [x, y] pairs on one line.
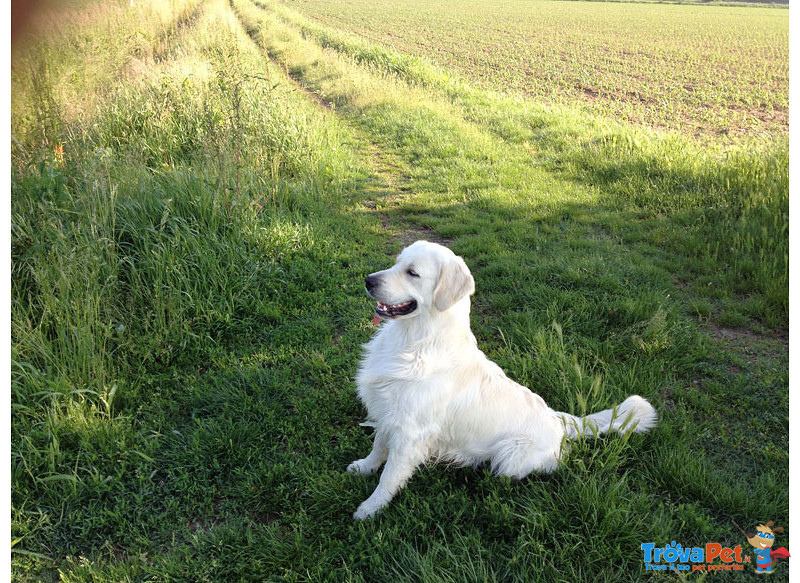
[[400, 465], [371, 463]]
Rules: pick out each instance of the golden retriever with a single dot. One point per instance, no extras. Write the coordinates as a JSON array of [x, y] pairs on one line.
[[431, 393]]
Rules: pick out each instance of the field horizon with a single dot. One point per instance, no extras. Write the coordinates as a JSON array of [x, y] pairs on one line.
[[199, 188]]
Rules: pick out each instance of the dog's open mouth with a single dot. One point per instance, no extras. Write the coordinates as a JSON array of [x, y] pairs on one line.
[[388, 311]]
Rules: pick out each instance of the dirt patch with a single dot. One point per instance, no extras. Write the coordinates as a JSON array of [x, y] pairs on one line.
[[316, 98], [751, 347], [414, 233], [742, 335]]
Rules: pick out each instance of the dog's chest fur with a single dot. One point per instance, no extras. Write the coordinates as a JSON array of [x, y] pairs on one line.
[[407, 383]]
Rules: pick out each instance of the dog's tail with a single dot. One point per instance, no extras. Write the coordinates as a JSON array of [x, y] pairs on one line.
[[634, 414]]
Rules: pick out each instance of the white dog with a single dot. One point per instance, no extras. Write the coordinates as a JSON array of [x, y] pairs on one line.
[[432, 394]]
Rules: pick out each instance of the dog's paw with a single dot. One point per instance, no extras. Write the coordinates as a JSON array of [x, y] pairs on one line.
[[365, 510], [360, 467], [372, 505]]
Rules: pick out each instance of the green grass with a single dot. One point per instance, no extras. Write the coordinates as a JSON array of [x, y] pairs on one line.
[[188, 308]]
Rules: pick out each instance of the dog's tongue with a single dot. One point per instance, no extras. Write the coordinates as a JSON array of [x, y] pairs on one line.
[[376, 319]]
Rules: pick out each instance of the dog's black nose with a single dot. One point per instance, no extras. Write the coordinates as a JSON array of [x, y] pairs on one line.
[[371, 282]]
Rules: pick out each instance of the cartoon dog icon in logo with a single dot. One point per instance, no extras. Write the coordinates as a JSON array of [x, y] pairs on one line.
[[762, 542]]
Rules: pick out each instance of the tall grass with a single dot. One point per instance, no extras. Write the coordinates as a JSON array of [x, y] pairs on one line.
[[150, 230]]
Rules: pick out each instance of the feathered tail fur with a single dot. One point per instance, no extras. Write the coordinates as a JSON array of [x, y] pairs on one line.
[[634, 414]]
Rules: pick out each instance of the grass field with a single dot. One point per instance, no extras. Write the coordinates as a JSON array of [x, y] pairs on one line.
[[713, 71], [198, 189]]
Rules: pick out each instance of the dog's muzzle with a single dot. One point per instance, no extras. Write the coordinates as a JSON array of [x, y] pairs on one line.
[[384, 310], [393, 311]]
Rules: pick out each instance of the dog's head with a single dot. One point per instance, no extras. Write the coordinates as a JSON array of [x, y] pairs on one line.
[[425, 277]]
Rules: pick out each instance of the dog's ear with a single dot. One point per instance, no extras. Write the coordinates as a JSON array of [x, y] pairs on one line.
[[455, 282]]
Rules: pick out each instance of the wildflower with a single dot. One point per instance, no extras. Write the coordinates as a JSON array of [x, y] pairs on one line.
[[58, 152]]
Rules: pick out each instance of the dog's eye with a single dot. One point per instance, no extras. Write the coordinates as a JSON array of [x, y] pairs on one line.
[[412, 273]]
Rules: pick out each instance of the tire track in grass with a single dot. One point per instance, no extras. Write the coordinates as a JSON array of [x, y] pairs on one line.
[[387, 184], [253, 35], [394, 160], [493, 154]]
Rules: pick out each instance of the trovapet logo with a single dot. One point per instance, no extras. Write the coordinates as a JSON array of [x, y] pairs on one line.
[[675, 557], [715, 556]]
